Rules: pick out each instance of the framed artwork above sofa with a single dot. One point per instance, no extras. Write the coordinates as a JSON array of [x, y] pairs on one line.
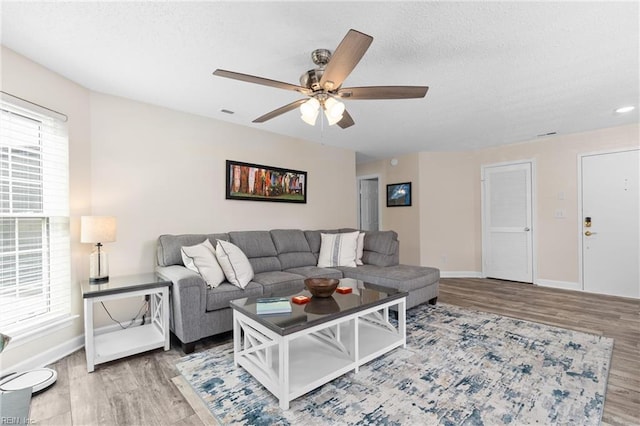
[[256, 182]]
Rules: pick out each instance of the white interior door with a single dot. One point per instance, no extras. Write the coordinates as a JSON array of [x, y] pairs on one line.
[[611, 223], [507, 244], [369, 204]]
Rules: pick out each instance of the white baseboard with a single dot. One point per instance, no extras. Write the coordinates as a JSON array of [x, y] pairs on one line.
[[49, 356], [460, 274], [567, 285]]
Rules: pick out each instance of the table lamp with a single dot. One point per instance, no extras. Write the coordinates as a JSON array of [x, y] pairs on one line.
[[98, 230]]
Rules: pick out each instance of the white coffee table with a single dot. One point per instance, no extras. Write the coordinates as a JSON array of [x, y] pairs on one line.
[[292, 354]]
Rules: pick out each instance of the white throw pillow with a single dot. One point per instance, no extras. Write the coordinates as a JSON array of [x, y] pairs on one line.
[[234, 263], [338, 249], [360, 249], [201, 258]]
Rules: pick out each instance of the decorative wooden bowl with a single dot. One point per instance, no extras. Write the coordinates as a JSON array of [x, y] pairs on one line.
[[321, 287]]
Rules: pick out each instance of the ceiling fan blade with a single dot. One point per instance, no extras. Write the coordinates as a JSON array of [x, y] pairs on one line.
[[276, 112], [383, 92], [260, 80], [345, 58], [346, 120]]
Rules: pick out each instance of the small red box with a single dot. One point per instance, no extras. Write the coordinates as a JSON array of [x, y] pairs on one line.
[[300, 300], [344, 290]]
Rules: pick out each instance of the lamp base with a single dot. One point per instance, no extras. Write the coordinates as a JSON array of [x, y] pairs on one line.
[[98, 266], [100, 280]]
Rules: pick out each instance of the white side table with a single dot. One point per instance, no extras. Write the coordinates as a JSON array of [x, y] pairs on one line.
[[120, 343]]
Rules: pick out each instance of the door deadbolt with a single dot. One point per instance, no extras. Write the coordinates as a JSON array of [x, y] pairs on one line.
[[587, 222]]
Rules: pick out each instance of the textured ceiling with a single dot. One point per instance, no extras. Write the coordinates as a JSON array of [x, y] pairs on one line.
[[498, 72]]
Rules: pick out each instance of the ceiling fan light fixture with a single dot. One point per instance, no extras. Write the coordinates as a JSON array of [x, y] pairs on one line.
[[331, 119], [310, 119], [333, 110], [309, 111]]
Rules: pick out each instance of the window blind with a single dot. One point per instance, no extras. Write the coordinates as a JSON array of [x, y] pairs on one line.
[[34, 219]]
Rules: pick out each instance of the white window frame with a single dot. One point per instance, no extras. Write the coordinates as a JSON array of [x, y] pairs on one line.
[[49, 305]]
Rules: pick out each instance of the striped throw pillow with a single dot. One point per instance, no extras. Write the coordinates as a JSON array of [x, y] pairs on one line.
[[338, 249]]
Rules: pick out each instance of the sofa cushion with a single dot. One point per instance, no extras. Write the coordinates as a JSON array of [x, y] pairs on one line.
[[382, 242], [168, 249], [259, 249], [289, 241], [315, 272], [401, 277], [381, 248], [279, 281], [234, 263], [338, 249], [293, 248], [201, 258], [219, 297]]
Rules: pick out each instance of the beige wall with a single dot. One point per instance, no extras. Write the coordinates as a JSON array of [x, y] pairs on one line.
[[404, 220], [556, 163], [162, 171], [449, 211], [449, 190], [25, 79]]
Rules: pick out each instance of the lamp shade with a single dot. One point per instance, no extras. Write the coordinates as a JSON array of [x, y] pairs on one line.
[[97, 229]]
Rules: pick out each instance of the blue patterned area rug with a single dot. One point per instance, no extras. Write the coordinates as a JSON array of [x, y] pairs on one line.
[[460, 367]]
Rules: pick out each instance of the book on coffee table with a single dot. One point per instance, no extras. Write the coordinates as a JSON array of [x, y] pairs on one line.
[[273, 305]]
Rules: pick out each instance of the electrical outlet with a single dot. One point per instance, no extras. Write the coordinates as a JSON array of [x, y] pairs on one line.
[[444, 259], [560, 214]]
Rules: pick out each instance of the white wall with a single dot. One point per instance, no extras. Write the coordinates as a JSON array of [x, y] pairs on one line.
[[162, 171]]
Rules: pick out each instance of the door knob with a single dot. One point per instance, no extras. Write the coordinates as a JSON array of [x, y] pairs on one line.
[[527, 229], [589, 233]]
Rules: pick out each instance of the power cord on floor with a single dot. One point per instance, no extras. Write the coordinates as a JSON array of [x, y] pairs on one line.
[[144, 306]]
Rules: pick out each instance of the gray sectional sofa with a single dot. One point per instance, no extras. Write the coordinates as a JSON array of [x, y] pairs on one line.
[[281, 260]]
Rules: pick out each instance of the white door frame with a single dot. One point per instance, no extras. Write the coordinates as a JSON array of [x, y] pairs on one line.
[[534, 214], [380, 197], [580, 227]]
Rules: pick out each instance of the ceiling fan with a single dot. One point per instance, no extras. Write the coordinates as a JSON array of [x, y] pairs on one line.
[[323, 85]]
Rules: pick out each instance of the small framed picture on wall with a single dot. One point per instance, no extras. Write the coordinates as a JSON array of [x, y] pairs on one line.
[[399, 194]]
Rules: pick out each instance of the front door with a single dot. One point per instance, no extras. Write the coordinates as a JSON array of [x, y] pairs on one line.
[[507, 244], [611, 223]]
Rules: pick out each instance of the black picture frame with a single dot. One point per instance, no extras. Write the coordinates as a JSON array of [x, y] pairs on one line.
[[257, 182], [399, 194]]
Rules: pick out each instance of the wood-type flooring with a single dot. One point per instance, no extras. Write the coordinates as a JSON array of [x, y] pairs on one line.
[[143, 389]]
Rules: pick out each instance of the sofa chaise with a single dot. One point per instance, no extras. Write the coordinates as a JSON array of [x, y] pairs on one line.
[[281, 259]]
